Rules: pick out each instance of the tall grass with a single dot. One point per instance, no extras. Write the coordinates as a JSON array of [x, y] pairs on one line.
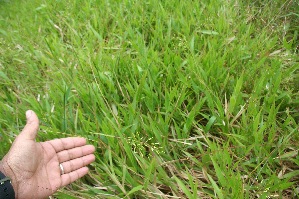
[[183, 99]]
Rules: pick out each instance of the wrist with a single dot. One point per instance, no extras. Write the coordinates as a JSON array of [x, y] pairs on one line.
[[2, 169], [6, 187], [5, 170]]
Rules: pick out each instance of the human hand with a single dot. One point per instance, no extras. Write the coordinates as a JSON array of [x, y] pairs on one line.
[[34, 167]]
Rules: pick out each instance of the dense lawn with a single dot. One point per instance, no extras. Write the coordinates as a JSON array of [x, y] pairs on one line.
[[183, 99]]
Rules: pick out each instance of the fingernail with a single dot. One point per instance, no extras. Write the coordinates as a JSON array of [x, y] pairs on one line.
[[28, 114]]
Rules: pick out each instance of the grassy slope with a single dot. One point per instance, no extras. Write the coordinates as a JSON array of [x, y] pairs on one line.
[[183, 99]]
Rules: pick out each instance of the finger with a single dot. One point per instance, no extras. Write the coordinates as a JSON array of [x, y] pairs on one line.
[[74, 153], [77, 163], [73, 176], [67, 143], [31, 127]]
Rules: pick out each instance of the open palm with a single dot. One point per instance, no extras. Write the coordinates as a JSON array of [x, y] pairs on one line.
[[34, 167]]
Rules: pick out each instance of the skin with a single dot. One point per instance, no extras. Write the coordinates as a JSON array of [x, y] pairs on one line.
[[34, 166]]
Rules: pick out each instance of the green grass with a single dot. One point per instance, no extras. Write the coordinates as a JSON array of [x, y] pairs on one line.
[[183, 99]]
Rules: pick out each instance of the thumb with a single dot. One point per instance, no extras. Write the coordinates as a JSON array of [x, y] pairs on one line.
[[31, 127]]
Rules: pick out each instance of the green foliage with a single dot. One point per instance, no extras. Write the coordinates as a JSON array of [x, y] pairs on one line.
[[183, 99]]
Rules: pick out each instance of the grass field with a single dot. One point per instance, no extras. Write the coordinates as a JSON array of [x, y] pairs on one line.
[[183, 99]]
